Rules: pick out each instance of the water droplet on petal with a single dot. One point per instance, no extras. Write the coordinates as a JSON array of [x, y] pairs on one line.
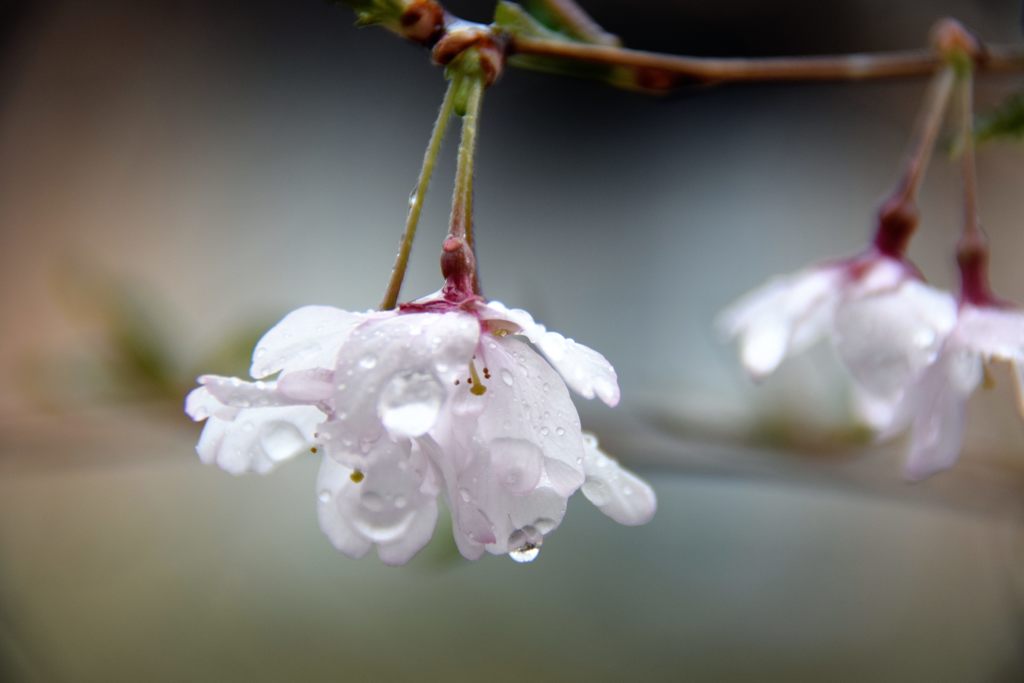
[[517, 463], [281, 440], [368, 362], [372, 501], [506, 377], [325, 496], [524, 544], [400, 502], [465, 495], [560, 431], [410, 402]]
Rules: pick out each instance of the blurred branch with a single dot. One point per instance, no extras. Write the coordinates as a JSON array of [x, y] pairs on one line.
[[557, 36]]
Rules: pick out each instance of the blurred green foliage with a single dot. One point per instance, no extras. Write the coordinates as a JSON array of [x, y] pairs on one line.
[[1005, 121]]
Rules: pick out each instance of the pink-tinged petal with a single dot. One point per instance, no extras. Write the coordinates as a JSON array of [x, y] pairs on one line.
[[940, 401], [308, 337], [471, 528], [782, 318], [615, 491], [390, 506], [586, 371], [307, 386], [510, 452], [258, 439], [237, 393], [395, 375], [526, 415], [992, 332], [887, 339]]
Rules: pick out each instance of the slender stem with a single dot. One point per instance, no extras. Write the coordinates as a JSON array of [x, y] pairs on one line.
[[812, 68], [972, 226], [416, 200], [898, 215], [972, 250], [462, 198], [927, 132]]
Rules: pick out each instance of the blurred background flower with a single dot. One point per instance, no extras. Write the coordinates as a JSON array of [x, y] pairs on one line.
[[175, 177]]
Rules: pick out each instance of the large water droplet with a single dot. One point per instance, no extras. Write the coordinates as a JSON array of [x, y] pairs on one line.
[[506, 377], [517, 463], [281, 440], [372, 501], [325, 496], [368, 362], [409, 404], [524, 544]]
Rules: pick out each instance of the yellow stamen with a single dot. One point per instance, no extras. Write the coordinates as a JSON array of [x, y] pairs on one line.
[[478, 388], [988, 379], [356, 476]]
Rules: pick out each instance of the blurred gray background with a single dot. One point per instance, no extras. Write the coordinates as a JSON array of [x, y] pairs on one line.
[[174, 177]]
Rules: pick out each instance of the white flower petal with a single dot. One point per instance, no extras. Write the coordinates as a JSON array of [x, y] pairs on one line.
[[886, 339], [257, 439], [231, 391], [615, 491], [395, 374], [527, 417], [308, 337], [940, 400], [586, 371], [879, 413], [992, 332], [307, 386], [783, 317], [201, 404], [391, 507]]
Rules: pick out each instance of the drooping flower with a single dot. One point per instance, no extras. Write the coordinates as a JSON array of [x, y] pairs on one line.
[[436, 397], [844, 301], [935, 404]]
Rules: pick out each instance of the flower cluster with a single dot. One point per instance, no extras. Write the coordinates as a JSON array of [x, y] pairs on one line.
[[433, 398], [915, 353]]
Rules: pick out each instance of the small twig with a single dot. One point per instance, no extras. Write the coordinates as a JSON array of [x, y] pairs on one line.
[[901, 64]]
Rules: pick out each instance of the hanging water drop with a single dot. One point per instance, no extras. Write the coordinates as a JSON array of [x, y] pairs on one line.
[[524, 544]]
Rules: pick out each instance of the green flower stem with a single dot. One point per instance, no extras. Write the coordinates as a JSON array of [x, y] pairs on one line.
[[972, 226], [416, 200], [462, 197]]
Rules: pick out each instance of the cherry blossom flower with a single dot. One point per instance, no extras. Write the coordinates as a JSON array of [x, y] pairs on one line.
[[848, 302], [434, 398], [935, 404]]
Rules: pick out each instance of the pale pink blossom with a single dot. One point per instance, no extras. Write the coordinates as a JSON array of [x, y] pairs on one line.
[[434, 398]]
